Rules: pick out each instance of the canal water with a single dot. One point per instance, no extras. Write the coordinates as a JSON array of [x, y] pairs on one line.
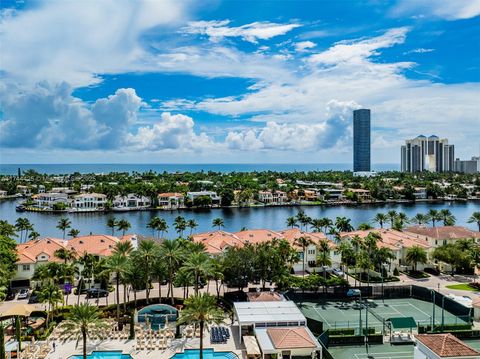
[[234, 218]]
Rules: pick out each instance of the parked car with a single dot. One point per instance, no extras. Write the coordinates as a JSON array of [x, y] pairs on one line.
[[23, 294], [97, 293], [354, 292], [338, 272], [33, 298], [10, 294]]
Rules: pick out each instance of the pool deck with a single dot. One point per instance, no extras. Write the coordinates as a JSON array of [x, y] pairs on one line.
[[66, 349]]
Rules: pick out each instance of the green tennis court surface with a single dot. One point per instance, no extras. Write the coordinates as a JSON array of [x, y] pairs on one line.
[[336, 314], [381, 351]]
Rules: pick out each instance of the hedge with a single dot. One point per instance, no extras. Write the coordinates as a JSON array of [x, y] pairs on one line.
[[422, 329]]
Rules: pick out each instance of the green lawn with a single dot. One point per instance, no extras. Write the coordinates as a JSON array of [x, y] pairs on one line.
[[463, 286]]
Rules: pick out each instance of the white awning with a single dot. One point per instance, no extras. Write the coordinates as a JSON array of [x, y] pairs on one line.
[[251, 345], [284, 313], [266, 345]]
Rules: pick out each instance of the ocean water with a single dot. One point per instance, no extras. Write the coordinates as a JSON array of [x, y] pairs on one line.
[[66, 168]]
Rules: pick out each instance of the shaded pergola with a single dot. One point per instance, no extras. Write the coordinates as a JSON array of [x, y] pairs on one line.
[[399, 323], [19, 310]]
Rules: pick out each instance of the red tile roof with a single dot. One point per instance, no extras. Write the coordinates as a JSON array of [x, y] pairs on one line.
[[447, 345], [30, 250], [265, 297], [443, 232], [390, 238], [289, 338]]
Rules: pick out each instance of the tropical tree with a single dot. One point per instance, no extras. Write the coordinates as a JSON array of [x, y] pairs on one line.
[[364, 226], [347, 255], [172, 254], [192, 224], [67, 255], [433, 216], [475, 256], [447, 217], [21, 225], [123, 225], [420, 219], [83, 320], [112, 224], [2, 341], [303, 242], [380, 218], [201, 310], [51, 295], [218, 222], [323, 257], [162, 227], [401, 220], [292, 222], [180, 225], [392, 216], [475, 218], [117, 264], [200, 264], [63, 225], [415, 255], [343, 224], [74, 233], [159, 272], [146, 255], [153, 224]]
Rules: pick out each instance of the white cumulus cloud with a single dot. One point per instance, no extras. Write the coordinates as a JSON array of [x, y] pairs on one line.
[[217, 30], [446, 9]]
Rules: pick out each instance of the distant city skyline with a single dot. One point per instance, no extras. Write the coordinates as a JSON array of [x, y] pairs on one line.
[[233, 81], [427, 154]]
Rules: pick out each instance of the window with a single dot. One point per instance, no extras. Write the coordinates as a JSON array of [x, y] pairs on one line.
[[26, 267]]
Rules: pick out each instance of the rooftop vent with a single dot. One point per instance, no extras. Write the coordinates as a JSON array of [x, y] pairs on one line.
[[81, 242]]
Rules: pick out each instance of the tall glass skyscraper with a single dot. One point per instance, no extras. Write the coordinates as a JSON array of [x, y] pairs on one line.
[[361, 140]]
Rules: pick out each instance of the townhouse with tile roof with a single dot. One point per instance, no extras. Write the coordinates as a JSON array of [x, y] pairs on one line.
[[438, 236], [35, 253], [217, 242]]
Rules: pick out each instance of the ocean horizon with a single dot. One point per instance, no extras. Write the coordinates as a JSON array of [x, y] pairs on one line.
[[67, 168]]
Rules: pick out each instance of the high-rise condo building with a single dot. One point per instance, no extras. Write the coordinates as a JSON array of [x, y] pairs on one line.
[[468, 166], [427, 154], [361, 140]]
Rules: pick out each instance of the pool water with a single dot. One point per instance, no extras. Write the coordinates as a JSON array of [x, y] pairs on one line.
[[207, 354], [157, 315], [104, 355]]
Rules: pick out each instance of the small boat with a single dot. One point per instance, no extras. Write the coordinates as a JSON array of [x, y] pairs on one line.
[[20, 208]]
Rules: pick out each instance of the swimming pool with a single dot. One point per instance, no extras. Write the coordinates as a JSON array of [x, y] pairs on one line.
[[207, 354], [157, 315], [104, 355]]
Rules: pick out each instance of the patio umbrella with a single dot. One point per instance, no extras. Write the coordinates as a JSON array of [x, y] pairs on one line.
[[22, 310]]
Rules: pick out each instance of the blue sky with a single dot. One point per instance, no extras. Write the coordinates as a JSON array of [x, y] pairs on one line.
[[234, 81]]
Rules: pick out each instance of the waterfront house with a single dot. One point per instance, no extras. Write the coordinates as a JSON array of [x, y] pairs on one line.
[[88, 202], [23, 190], [420, 193], [362, 195], [37, 252], [171, 200], [66, 190], [272, 197], [130, 202], [216, 199], [217, 242], [3, 194], [49, 200], [398, 242], [437, 236]]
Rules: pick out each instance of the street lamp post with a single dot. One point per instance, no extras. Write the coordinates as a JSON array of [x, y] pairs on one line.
[[433, 310]]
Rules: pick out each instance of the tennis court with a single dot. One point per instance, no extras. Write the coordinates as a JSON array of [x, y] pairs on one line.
[[337, 314], [380, 351]]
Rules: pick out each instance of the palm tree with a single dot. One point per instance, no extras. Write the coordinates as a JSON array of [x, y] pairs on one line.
[[200, 264], [474, 257], [180, 225], [153, 224], [401, 220], [84, 319], [148, 254], [292, 222], [218, 222], [123, 225], [192, 224], [415, 255], [303, 242], [201, 310], [347, 255], [326, 223], [33, 235], [23, 224], [420, 219], [117, 264], [162, 227], [112, 223], [343, 224], [74, 233], [2, 341], [123, 248], [172, 254], [364, 226], [323, 257], [63, 225], [475, 218], [392, 216], [159, 272], [67, 255], [52, 295], [447, 217], [434, 216], [380, 218]]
